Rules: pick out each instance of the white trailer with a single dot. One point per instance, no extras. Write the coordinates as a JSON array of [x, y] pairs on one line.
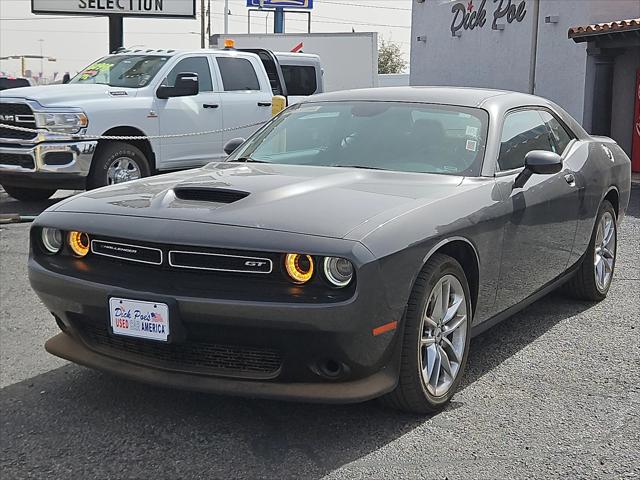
[[349, 60]]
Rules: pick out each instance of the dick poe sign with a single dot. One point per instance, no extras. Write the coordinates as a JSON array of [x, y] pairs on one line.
[[468, 15]]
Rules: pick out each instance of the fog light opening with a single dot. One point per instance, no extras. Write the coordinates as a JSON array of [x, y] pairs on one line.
[[331, 368]]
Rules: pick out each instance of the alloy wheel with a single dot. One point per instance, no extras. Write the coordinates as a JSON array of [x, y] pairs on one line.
[[123, 169], [443, 335], [605, 251]]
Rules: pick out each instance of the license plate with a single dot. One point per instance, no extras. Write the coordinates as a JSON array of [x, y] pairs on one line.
[[135, 318]]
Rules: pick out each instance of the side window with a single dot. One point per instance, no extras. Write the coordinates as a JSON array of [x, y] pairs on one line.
[[522, 132], [237, 74], [300, 80], [199, 65], [559, 135]]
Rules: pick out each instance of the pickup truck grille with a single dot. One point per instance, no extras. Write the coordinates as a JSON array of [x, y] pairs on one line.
[[19, 115], [16, 160]]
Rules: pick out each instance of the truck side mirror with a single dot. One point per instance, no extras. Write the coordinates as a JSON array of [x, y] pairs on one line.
[[187, 85], [539, 162], [232, 145]]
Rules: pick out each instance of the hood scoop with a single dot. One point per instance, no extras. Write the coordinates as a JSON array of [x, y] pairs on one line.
[[207, 194]]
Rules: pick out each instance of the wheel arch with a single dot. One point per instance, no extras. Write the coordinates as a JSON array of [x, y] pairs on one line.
[[129, 131], [466, 254], [613, 196]]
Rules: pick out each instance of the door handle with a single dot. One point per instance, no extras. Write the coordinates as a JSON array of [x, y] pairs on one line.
[[571, 179], [210, 105], [264, 104]]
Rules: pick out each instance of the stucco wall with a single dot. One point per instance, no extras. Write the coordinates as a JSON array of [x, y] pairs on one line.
[[500, 59]]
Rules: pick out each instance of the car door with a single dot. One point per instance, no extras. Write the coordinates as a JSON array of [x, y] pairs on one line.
[[541, 217], [186, 115], [246, 96]]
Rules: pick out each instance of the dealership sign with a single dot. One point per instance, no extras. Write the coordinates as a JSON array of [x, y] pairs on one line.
[[467, 16], [307, 4], [130, 8]]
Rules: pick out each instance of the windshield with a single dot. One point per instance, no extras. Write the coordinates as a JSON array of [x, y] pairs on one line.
[[407, 137], [132, 71]]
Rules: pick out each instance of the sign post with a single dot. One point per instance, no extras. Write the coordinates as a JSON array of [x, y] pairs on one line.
[[278, 7]]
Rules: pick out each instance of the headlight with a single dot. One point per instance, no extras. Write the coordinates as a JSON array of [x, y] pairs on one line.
[[51, 240], [339, 271], [299, 267], [79, 243], [70, 122]]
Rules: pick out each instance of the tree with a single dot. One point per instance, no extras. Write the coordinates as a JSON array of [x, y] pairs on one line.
[[390, 59]]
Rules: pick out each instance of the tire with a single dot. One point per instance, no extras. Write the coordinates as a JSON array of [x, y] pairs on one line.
[[413, 393], [116, 158], [29, 194], [584, 285]]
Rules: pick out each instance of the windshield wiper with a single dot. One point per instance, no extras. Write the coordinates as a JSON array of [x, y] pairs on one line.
[[364, 167], [248, 160]]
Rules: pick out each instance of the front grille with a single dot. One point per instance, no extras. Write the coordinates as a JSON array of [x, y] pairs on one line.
[[17, 160], [191, 356], [19, 115]]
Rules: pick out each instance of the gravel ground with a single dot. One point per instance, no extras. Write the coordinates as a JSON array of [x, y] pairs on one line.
[[552, 392]]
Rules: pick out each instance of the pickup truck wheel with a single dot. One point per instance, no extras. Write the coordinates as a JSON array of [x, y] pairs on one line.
[[29, 194], [117, 162]]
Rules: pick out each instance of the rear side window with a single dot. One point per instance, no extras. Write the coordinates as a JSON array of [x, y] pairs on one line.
[[199, 65], [237, 74], [523, 131], [300, 80], [560, 137]]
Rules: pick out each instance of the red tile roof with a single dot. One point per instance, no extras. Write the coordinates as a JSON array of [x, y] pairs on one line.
[[607, 28]]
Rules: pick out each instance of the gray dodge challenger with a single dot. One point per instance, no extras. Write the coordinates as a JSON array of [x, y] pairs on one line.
[[347, 250]]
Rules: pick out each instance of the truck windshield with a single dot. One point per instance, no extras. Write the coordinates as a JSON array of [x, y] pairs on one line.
[[406, 137], [131, 71]]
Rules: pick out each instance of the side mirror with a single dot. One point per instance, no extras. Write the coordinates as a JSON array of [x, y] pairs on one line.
[[539, 162], [187, 85], [232, 145]]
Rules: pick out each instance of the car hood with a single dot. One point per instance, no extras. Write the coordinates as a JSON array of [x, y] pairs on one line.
[[69, 95], [323, 201]]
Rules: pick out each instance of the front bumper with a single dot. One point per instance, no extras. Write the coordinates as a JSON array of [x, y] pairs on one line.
[[307, 337], [47, 164]]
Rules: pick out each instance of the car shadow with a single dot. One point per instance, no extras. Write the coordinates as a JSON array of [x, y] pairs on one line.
[[11, 206], [72, 418]]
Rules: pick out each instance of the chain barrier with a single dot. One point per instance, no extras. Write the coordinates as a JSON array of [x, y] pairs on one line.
[[128, 137]]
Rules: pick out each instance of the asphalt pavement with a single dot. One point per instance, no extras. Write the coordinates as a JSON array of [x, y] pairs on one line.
[[553, 392]]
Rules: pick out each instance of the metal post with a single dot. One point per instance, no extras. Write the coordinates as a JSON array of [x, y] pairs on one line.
[[203, 24], [533, 61], [226, 16], [116, 32], [278, 21]]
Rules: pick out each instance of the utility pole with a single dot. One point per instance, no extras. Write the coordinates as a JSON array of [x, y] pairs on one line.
[[209, 20], [202, 24], [226, 16], [41, 60]]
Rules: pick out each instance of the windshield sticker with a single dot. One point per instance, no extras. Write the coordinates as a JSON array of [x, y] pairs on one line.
[[94, 70], [472, 145], [472, 131]]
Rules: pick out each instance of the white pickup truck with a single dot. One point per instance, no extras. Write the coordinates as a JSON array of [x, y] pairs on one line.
[[157, 93]]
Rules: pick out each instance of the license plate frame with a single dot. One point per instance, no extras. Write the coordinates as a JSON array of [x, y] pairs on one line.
[[140, 319]]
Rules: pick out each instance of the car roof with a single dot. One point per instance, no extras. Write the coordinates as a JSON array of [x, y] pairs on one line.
[[463, 96]]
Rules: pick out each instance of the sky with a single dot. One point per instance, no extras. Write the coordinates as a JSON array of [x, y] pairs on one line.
[[75, 42]]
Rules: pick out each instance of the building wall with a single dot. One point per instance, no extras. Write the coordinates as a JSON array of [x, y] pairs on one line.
[[483, 57], [624, 83]]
